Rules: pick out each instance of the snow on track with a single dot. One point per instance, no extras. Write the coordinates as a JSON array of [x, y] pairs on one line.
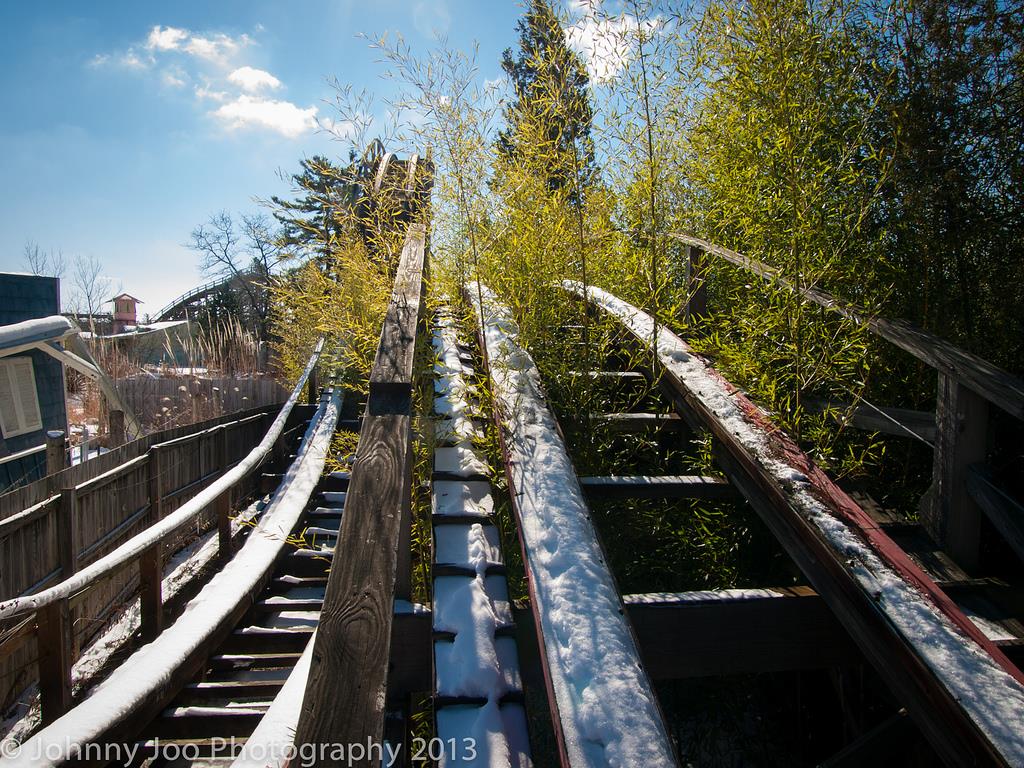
[[608, 711], [132, 685], [992, 698], [271, 743], [475, 663]]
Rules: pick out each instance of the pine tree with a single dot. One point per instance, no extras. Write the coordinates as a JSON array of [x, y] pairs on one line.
[[550, 86], [311, 222]]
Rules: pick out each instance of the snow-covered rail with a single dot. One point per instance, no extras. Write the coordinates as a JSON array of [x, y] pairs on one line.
[[607, 712], [958, 686]]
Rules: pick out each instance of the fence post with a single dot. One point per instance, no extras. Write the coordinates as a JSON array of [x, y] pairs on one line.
[[83, 446], [697, 304], [54, 629], [56, 451], [151, 561], [223, 504], [952, 516], [67, 541], [115, 428], [314, 387]]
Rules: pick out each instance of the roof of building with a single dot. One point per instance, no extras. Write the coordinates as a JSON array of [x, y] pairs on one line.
[[127, 296], [30, 332]]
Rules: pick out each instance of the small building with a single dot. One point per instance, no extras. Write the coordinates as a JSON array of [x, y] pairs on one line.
[[31, 381], [124, 312]]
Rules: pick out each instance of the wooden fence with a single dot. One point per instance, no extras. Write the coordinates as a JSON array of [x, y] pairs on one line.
[[62, 523], [166, 400]]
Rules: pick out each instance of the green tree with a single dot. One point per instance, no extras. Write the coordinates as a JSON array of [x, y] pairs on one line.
[[550, 105], [310, 221], [955, 199], [783, 168]]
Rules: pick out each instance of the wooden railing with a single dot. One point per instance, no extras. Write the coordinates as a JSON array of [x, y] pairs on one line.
[[961, 489], [345, 697], [78, 536]]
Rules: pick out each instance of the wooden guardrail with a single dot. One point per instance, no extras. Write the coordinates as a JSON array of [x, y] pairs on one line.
[[177, 482], [345, 697], [967, 386]]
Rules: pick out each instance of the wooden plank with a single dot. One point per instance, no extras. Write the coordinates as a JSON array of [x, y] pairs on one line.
[[953, 518], [659, 487], [349, 668], [350, 659], [988, 380], [151, 597], [639, 422], [1006, 514], [223, 503], [899, 422], [54, 637], [730, 632], [391, 376]]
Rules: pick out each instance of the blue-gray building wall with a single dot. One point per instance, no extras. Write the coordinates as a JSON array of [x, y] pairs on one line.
[[26, 297]]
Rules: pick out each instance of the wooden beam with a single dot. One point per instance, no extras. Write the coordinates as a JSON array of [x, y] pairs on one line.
[[721, 632], [55, 659], [1006, 514], [345, 697], [900, 422], [735, 631], [411, 664], [891, 742], [639, 422], [659, 487], [953, 518]]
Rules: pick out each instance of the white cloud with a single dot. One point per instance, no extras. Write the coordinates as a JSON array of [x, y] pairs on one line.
[[174, 77], [131, 60], [218, 48], [166, 38], [605, 43], [280, 116], [206, 92], [254, 80]]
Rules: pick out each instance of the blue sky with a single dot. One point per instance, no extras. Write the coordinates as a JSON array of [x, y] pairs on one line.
[[126, 124]]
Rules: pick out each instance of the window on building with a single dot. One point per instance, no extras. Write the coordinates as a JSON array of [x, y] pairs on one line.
[[19, 401]]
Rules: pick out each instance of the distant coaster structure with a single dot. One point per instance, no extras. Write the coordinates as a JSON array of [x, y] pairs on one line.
[[376, 176]]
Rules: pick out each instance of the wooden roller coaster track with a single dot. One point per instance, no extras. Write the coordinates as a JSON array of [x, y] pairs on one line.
[[307, 637]]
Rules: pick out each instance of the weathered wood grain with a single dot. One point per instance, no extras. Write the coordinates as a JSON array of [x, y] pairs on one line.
[[345, 697], [391, 376], [344, 701]]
